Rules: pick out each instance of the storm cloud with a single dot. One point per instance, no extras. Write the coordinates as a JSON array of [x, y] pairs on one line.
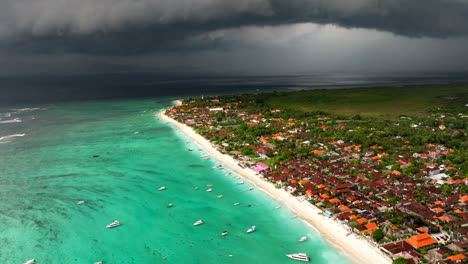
[[118, 33], [90, 26]]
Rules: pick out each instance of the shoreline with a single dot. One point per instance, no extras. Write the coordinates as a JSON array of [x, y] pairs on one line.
[[353, 247]]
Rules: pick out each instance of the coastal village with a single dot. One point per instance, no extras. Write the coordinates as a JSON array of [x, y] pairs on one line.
[[401, 184]]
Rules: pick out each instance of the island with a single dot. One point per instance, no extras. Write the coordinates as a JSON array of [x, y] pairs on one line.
[[380, 172]]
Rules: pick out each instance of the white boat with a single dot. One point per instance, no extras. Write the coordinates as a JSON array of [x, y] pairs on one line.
[[99, 262], [170, 205], [31, 261], [299, 256], [162, 188], [199, 222], [224, 233], [220, 196], [80, 202], [196, 188], [250, 188], [113, 224], [241, 182], [250, 230], [236, 203], [209, 185], [278, 207], [302, 239], [190, 149], [209, 190]]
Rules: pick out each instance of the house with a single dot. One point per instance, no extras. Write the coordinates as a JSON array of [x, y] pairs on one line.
[[421, 240]]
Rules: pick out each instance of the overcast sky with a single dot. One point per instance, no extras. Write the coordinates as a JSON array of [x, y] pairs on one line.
[[232, 37]]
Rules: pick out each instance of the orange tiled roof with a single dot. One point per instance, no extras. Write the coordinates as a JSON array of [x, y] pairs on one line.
[[464, 198], [361, 220], [395, 228], [371, 226], [421, 240], [456, 257], [343, 208], [396, 172]]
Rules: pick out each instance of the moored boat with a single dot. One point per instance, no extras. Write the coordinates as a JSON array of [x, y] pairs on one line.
[[302, 239], [250, 230], [236, 203], [220, 196], [199, 222], [250, 188], [224, 233], [80, 202], [162, 188], [209, 190], [113, 224], [299, 256], [31, 261]]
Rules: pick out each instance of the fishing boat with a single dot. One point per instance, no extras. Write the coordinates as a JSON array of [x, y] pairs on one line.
[[31, 261], [302, 239], [113, 224], [162, 188], [80, 202], [236, 203], [299, 256], [199, 222], [250, 230], [209, 190], [224, 233]]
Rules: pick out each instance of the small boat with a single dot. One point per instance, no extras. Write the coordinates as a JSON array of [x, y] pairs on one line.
[[169, 205], [250, 230], [80, 202], [299, 256], [113, 224], [190, 149], [302, 239], [136, 132], [278, 207], [241, 182], [99, 262], [31, 261], [220, 196], [250, 188], [162, 188], [209, 185], [199, 222], [293, 216], [94, 156], [196, 188], [224, 233], [236, 203], [209, 190]]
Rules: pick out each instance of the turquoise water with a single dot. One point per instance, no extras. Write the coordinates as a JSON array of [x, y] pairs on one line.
[[48, 165]]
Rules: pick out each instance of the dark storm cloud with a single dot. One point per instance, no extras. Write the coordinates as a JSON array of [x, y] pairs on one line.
[[137, 26]]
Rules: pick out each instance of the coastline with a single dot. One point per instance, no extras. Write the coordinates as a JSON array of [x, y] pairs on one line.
[[355, 248]]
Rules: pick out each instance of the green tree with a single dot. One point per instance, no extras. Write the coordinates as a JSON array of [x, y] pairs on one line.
[[400, 260], [378, 235]]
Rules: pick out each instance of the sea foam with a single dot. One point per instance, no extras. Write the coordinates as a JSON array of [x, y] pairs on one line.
[[5, 139], [15, 120]]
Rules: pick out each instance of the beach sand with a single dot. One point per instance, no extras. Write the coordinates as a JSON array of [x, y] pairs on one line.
[[355, 248]]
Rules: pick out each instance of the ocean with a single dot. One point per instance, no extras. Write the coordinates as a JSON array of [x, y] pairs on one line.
[[115, 155]]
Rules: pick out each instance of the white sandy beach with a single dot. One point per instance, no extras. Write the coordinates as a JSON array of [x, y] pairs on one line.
[[356, 249]]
